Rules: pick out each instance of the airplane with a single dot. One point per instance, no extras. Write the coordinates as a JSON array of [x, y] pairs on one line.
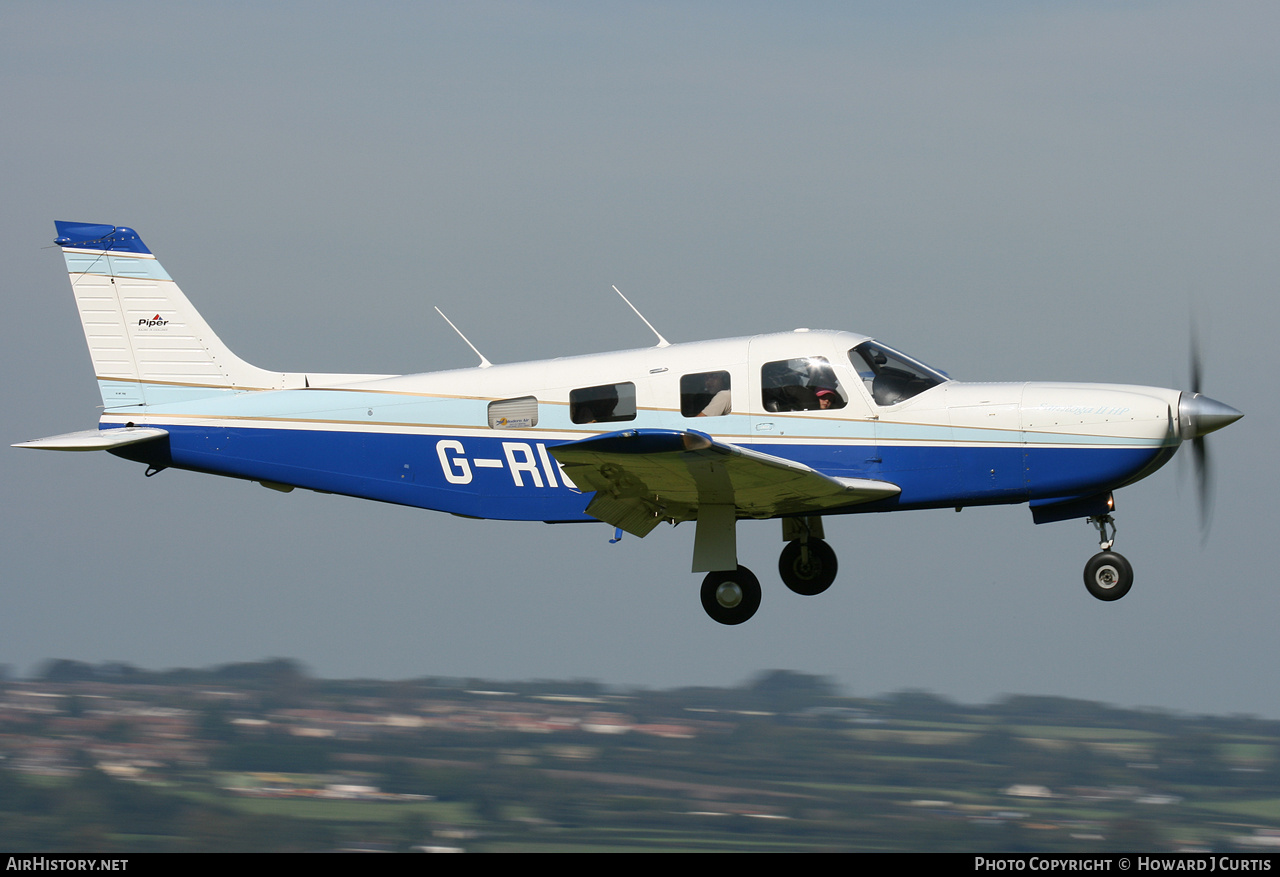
[[795, 426]]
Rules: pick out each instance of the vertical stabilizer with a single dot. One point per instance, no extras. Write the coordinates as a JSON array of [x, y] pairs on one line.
[[147, 342]]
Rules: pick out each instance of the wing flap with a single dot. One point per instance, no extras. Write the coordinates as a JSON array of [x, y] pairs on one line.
[[96, 439], [642, 476]]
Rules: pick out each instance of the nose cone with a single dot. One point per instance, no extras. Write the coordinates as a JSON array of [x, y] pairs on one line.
[[1199, 415]]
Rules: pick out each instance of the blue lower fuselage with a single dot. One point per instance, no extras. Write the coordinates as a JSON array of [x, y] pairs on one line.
[[512, 477]]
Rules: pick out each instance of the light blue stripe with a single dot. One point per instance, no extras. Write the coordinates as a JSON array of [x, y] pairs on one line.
[[163, 397], [114, 266], [358, 407]]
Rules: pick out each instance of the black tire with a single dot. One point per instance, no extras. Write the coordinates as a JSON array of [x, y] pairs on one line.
[[731, 596], [1108, 576], [808, 576]]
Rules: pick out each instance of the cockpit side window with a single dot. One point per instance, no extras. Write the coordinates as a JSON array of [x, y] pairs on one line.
[[891, 377], [807, 384], [603, 404]]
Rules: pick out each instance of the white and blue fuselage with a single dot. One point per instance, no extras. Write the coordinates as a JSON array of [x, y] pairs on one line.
[[792, 425]]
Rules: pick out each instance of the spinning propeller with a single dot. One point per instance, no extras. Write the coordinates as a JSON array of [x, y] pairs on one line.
[[1198, 415]]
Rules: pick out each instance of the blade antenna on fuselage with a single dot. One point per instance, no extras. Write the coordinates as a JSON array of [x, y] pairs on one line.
[[484, 363], [662, 342]]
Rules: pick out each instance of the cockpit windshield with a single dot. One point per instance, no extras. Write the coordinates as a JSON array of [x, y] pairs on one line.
[[892, 377]]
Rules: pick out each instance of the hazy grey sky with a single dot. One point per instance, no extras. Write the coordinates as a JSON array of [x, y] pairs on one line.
[[1009, 191]]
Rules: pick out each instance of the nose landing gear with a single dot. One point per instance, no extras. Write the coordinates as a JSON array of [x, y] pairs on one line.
[[1107, 575]]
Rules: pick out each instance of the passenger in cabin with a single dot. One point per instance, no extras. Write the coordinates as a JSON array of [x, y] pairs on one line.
[[799, 385], [828, 398], [597, 406], [596, 411], [720, 403]]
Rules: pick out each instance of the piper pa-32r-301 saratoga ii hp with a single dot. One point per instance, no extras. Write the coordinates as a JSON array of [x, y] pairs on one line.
[[793, 426]]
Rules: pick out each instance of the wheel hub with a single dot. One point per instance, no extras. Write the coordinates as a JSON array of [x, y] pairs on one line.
[[729, 595], [1107, 577], [808, 569]]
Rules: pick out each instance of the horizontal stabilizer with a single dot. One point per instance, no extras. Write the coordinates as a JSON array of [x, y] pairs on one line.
[[642, 476], [96, 439]]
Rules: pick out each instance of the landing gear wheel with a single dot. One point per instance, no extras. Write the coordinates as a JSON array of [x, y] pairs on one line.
[[807, 568], [731, 596], [1108, 576]]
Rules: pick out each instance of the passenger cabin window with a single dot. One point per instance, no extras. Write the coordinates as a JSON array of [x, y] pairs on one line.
[[705, 394], [603, 404], [515, 413], [889, 376], [807, 384]]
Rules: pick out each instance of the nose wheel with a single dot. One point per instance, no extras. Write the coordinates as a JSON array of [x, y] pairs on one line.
[[1107, 575], [731, 596]]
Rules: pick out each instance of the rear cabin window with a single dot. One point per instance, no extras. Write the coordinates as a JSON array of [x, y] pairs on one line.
[[603, 404], [807, 384], [705, 394], [517, 413]]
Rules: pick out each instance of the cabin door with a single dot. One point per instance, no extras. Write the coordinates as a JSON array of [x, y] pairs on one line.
[[806, 405]]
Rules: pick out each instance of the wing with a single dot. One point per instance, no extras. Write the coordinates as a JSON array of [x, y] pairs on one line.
[[643, 476], [96, 439]]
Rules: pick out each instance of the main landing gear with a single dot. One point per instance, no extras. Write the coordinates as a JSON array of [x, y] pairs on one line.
[[731, 597], [1107, 575], [807, 566]]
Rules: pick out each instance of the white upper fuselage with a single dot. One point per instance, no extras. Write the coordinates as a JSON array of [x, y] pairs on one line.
[[1052, 413]]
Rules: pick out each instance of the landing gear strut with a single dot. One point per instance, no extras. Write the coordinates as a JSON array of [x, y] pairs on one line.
[[1107, 575], [731, 596]]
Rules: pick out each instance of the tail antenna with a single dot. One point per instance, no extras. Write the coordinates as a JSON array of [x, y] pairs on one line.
[[484, 363], [662, 342]]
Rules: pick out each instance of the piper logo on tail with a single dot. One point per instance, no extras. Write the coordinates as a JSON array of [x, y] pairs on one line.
[[154, 323]]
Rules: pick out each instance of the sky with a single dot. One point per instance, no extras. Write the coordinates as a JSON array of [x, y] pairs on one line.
[[1007, 191]]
